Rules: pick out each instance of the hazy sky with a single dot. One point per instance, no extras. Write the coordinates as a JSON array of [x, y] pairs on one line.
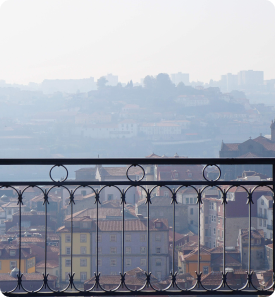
[[133, 38]]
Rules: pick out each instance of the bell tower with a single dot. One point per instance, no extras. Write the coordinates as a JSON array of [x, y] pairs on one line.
[[272, 127]]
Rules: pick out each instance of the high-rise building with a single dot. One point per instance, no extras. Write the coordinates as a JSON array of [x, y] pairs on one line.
[[112, 79], [250, 78], [180, 77]]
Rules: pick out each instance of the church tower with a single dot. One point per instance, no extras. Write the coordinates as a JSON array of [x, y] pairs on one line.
[[272, 126]]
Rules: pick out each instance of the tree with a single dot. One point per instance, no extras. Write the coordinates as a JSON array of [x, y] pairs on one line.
[[149, 82], [129, 84], [101, 82], [164, 81]]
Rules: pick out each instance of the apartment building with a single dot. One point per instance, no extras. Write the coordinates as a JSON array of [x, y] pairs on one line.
[[109, 241], [265, 215]]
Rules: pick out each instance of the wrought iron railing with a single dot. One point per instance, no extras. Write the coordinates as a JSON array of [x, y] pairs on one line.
[[147, 187]]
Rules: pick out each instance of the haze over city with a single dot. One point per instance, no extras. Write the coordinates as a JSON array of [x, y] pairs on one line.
[[57, 39]]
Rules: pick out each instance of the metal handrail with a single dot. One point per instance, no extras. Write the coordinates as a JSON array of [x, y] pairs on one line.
[[198, 185]]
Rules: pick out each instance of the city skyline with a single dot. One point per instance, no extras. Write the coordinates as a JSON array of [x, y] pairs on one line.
[[205, 38]]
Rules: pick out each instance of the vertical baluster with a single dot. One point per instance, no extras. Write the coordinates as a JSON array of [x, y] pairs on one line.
[[273, 223], [123, 235], [20, 202], [174, 224], [46, 235], [97, 272], [148, 236], [199, 244], [249, 234], [71, 202]]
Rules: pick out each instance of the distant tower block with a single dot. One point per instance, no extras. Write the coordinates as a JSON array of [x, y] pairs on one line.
[[272, 126]]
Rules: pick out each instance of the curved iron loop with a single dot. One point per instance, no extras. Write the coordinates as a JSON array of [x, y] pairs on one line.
[[148, 279], [97, 197], [199, 198], [71, 198], [173, 278], [45, 280], [97, 276], [46, 198], [135, 165], [62, 180], [248, 283], [198, 283], [249, 198], [203, 173], [223, 284], [148, 197], [71, 280], [123, 197], [122, 279], [224, 196], [174, 197], [20, 198], [19, 280]]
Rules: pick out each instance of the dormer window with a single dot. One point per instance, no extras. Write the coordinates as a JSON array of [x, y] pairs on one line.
[[158, 224], [189, 174], [176, 175], [12, 252]]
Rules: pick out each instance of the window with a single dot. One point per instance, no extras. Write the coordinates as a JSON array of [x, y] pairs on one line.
[[67, 262], [83, 262], [206, 220], [206, 232], [205, 269], [158, 250], [68, 238], [83, 193], [12, 252], [143, 250], [158, 275], [191, 200], [83, 250], [166, 193], [142, 262], [113, 262], [112, 237], [83, 276], [99, 238], [214, 231], [191, 211], [128, 237], [158, 262], [100, 250], [262, 201], [142, 237], [68, 250], [260, 222], [99, 262], [13, 264], [158, 225], [110, 197], [187, 200], [158, 237], [83, 237], [128, 262], [210, 205], [128, 250], [112, 250], [264, 223], [219, 220]]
